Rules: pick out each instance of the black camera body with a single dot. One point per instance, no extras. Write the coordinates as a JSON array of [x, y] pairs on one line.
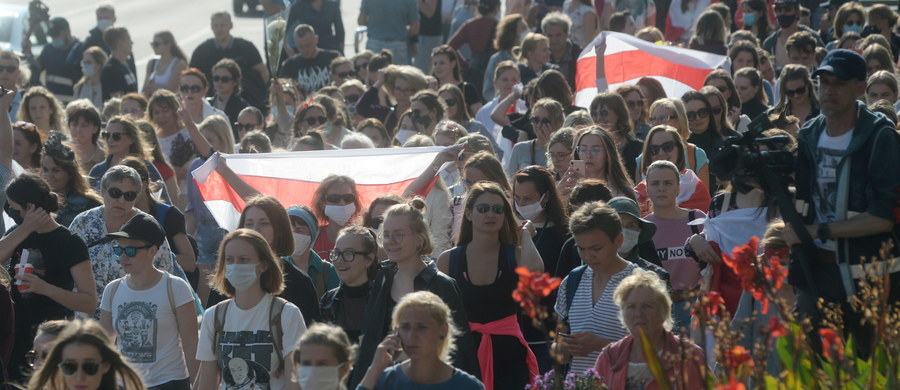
[[746, 157]]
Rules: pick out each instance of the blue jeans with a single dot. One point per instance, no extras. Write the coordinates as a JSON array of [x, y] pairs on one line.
[[681, 315], [399, 49], [427, 43]]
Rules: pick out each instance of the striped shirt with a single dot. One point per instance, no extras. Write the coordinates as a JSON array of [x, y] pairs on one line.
[[600, 318]]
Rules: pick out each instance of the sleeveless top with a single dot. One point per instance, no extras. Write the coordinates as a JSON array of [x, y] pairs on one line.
[[162, 79]]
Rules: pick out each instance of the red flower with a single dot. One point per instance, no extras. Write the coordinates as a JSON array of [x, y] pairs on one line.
[[731, 385], [531, 288], [757, 275], [831, 341], [738, 356], [776, 328], [709, 305]]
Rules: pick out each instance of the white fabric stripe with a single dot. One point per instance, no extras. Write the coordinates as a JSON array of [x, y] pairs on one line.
[[226, 215]]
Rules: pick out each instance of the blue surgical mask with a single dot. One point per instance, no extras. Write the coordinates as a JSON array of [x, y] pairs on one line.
[[241, 276], [87, 69], [857, 28], [102, 24], [749, 20], [290, 110], [58, 43]]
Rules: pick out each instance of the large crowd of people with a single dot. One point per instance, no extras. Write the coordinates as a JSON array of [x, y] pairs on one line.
[[116, 274]]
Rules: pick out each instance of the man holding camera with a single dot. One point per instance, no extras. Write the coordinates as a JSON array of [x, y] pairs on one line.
[[847, 191]]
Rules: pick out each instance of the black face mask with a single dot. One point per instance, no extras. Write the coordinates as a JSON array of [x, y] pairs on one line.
[[422, 120], [786, 20], [16, 215]]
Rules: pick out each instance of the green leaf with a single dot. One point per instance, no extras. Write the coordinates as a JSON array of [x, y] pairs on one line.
[[653, 363]]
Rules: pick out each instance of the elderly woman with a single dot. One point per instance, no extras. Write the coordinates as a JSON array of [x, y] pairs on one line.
[[644, 305], [84, 127], [400, 83], [119, 187]]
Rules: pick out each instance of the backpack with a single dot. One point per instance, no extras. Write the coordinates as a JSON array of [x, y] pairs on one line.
[[572, 282], [275, 310], [171, 295]]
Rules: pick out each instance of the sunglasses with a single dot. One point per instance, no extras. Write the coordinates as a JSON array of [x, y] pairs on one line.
[[69, 368], [243, 127], [701, 113], [483, 208], [535, 120], [661, 118], [450, 102], [129, 251], [155, 44], [222, 79], [795, 92], [600, 114], [190, 88], [316, 120], [351, 99], [335, 198], [9, 69], [722, 88], [347, 256], [115, 136], [116, 193], [636, 104], [717, 110], [667, 147], [346, 75]]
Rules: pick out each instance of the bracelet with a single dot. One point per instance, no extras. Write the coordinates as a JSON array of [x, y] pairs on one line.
[[823, 232]]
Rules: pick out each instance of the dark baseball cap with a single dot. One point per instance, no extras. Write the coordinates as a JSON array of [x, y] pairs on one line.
[[624, 205], [843, 64], [142, 227], [57, 26], [786, 1]]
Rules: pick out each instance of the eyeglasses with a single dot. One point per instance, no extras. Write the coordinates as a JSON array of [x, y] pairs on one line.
[[795, 92], [600, 114], [536, 120], [155, 44], [129, 251], [115, 136], [666, 147], [717, 110], [190, 88], [661, 118], [243, 127], [220, 79], [396, 237], [345, 75], [351, 99], [450, 102], [347, 256], [636, 104], [483, 208], [590, 150], [316, 120], [70, 367], [701, 113], [116, 193], [337, 198], [9, 69]]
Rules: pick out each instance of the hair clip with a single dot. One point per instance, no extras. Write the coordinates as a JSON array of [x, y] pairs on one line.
[[54, 147]]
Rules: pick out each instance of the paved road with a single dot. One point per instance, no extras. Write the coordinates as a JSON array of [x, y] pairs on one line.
[[187, 19]]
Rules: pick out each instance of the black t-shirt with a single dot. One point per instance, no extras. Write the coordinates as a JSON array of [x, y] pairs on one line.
[[63, 68], [310, 74], [431, 26], [471, 94], [299, 290], [246, 55], [117, 79]]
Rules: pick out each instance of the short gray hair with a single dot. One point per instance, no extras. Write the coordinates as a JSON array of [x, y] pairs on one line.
[[357, 141], [556, 19], [640, 278], [119, 173]]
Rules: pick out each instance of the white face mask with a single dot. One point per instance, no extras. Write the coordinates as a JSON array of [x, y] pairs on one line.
[[631, 239], [102, 24], [404, 134], [87, 69], [531, 211], [319, 377], [301, 242], [241, 276], [340, 214]]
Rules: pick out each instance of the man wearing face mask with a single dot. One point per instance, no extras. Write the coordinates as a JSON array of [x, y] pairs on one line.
[[305, 227], [61, 60], [638, 234], [787, 12]]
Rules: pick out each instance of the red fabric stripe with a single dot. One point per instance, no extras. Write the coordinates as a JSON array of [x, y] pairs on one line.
[[586, 73], [628, 65], [216, 188]]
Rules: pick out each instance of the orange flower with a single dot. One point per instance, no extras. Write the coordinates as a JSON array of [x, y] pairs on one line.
[[531, 288], [738, 356], [709, 305], [731, 385], [831, 341]]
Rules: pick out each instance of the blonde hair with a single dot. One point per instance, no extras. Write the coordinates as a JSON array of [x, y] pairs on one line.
[[413, 75], [677, 106], [649, 280], [529, 43], [271, 280], [57, 113], [413, 211], [437, 310], [220, 127]]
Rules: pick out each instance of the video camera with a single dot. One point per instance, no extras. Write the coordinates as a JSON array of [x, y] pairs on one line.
[[745, 157]]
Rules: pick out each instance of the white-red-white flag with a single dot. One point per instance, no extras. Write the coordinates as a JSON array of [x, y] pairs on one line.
[[627, 59], [293, 177]]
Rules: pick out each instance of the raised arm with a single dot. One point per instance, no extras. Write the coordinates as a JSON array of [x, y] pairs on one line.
[[498, 115], [203, 146], [449, 154], [6, 132]]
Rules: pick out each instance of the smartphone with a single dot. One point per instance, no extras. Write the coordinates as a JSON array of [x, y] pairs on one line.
[[579, 166]]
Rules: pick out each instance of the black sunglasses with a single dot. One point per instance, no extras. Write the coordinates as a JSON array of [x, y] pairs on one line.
[[450, 102], [483, 208], [536, 120], [222, 79], [345, 75], [351, 99], [243, 127], [155, 44], [701, 113], [190, 88], [130, 251], [347, 256], [116, 193], [316, 120], [665, 147], [795, 92], [115, 136], [9, 69], [717, 110], [69, 368], [636, 104], [335, 198]]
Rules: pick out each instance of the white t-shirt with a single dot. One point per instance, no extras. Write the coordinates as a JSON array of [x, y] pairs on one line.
[[245, 353], [146, 330], [829, 152]]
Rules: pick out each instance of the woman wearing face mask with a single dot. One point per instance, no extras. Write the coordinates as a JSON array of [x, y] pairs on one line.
[[674, 228], [664, 143], [638, 237], [426, 110], [756, 18], [850, 17], [546, 117], [89, 86], [336, 203], [537, 200], [355, 258], [305, 230], [249, 273], [407, 241], [322, 359], [417, 353]]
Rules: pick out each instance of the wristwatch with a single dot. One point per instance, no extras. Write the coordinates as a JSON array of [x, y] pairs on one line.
[[823, 232]]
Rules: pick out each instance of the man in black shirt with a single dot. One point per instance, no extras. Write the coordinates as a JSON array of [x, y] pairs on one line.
[[224, 45], [106, 18], [116, 77], [61, 60], [310, 67]]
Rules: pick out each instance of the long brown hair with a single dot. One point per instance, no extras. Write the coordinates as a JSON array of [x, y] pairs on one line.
[[679, 145], [507, 232], [615, 103], [616, 176], [490, 167], [545, 185], [282, 241], [271, 280]]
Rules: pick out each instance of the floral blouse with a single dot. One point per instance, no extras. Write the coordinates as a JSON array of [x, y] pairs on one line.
[[91, 227]]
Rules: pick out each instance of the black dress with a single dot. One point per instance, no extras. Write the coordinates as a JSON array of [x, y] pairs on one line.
[[510, 369]]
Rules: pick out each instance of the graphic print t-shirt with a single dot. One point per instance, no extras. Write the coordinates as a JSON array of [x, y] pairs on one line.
[[311, 74], [829, 152], [246, 354], [146, 330]]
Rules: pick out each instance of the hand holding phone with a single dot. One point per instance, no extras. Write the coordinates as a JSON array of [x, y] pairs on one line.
[[579, 167]]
